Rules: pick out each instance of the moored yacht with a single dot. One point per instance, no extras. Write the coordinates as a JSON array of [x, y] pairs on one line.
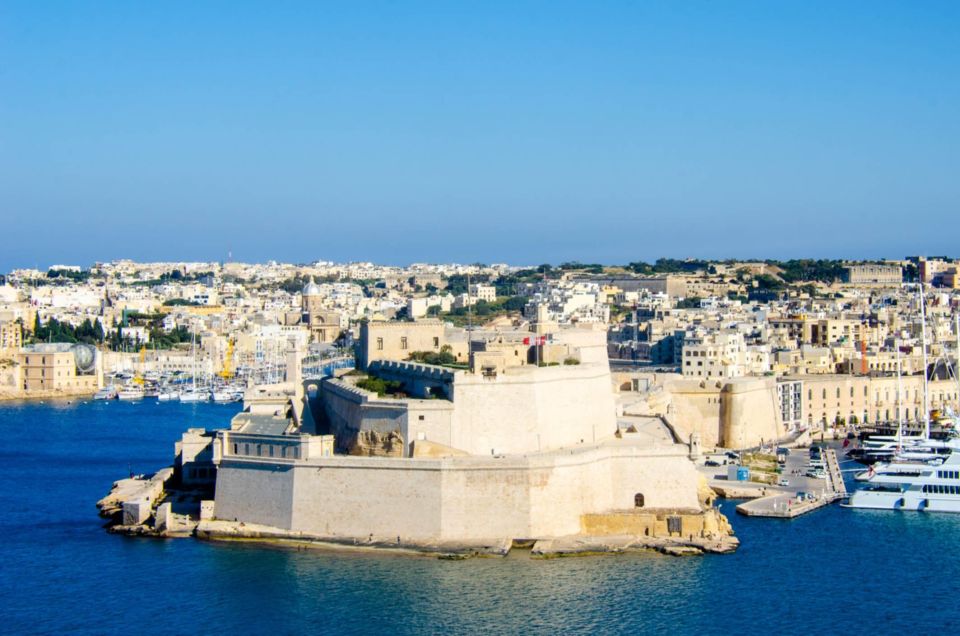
[[106, 393], [131, 393], [168, 395], [193, 395], [919, 487]]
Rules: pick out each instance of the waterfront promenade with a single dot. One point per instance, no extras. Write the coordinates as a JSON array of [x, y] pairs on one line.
[[787, 505]]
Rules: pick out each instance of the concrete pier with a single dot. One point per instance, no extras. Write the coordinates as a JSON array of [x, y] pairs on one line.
[[787, 506]]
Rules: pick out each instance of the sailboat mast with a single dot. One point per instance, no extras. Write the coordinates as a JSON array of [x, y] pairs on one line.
[[899, 413], [923, 335]]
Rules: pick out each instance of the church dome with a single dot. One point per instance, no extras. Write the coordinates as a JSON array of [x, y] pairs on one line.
[[311, 289]]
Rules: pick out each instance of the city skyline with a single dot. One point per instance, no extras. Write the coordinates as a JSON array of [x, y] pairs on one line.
[[527, 133]]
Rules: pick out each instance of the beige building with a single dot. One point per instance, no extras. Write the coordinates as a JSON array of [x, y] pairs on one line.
[[58, 368], [829, 399], [11, 336], [381, 340], [873, 274], [716, 355], [487, 293]]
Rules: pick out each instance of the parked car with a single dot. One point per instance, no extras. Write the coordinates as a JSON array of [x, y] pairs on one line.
[[783, 482], [711, 462]]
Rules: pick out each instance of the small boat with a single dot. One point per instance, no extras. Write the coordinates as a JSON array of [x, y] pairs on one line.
[[106, 393], [131, 393], [223, 396], [191, 395], [168, 396]]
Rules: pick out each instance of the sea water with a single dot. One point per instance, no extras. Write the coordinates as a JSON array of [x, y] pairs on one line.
[[832, 571]]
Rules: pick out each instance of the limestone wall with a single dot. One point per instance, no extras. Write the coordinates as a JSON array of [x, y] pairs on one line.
[[532, 409], [694, 407], [455, 498], [255, 492], [528, 409], [750, 415]]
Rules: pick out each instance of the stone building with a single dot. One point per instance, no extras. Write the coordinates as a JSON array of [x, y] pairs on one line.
[[873, 274], [11, 336], [383, 340], [58, 368]]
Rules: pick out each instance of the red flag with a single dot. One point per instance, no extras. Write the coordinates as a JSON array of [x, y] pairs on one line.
[[526, 341]]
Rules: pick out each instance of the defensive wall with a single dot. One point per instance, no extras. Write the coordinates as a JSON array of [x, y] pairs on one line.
[[454, 498], [519, 410]]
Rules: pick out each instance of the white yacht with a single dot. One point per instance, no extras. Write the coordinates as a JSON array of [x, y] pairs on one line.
[[131, 393], [919, 487], [193, 395], [106, 393], [168, 395]]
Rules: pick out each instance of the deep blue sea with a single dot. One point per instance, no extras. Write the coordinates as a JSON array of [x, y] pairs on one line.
[[834, 571]]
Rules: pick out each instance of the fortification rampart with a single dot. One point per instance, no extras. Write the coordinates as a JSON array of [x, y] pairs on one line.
[[455, 499]]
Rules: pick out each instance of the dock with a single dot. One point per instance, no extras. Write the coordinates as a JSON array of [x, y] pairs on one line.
[[788, 506]]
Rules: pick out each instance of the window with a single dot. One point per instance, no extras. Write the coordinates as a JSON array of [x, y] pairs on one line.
[[236, 451], [638, 500], [436, 342], [379, 344], [403, 342], [824, 394]]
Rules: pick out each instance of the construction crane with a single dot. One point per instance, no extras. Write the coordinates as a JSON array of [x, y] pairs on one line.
[[138, 378], [227, 371]]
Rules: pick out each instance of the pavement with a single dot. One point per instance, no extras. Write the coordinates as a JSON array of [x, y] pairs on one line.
[[773, 500]]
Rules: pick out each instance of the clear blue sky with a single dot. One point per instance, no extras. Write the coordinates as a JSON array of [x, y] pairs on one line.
[[516, 131]]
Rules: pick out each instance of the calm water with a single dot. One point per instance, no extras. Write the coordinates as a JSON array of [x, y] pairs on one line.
[[833, 571]]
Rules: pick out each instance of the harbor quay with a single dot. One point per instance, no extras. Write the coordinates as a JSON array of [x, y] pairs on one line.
[[806, 494]]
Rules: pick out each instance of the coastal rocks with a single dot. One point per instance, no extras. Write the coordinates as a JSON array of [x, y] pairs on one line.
[[590, 546], [132, 492], [144, 506]]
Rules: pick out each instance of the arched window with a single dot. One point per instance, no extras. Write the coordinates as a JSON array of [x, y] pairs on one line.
[[638, 500]]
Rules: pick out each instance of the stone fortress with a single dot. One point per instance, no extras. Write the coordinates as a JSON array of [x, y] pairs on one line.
[[519, 436]]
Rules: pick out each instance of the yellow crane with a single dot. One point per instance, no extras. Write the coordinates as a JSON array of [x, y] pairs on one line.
[[138, 378], [227, 371]]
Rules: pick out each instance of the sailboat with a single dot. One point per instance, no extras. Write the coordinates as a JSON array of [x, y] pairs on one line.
[[914, 485], [193, 394]]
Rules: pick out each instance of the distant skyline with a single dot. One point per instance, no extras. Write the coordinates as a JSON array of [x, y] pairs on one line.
[[501, 132]]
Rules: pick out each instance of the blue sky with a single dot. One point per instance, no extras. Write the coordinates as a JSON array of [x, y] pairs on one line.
[[524, 132]]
